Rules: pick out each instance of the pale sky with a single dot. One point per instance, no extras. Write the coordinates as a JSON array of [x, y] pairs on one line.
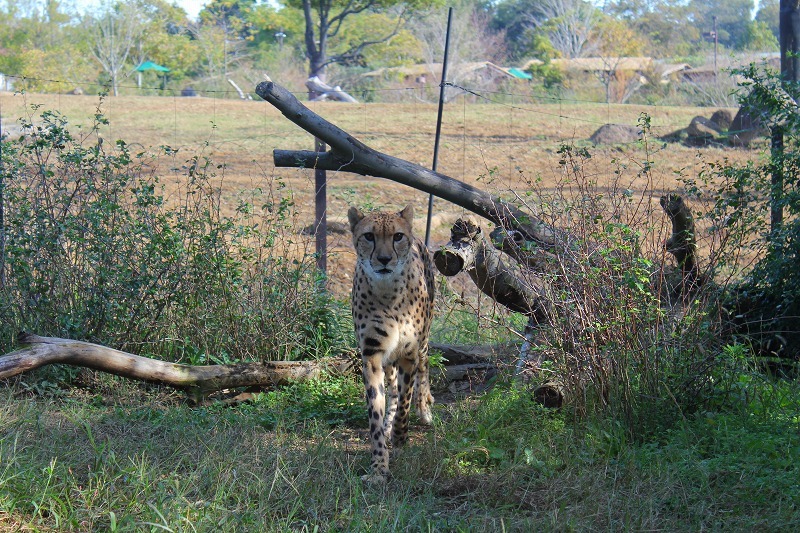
[[192, 7]]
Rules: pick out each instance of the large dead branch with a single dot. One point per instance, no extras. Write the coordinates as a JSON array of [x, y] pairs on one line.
[[326, 92], [202, 380], [502, 280], [39, 351], [351, 155]]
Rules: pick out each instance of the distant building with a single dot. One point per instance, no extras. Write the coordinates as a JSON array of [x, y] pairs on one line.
[[479, 71], [706, 73]]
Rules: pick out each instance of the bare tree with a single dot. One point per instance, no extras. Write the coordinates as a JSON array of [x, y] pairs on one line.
[[211, 42], [568, 24], [615, 41], [114, 35], [324, 20], [471, 40]]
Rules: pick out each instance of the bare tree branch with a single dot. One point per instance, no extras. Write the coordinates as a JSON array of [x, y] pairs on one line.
[[351, 155]]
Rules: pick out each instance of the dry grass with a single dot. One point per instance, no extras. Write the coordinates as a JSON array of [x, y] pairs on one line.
[[503, 148]]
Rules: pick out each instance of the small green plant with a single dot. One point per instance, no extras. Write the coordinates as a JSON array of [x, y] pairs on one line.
[[330, 401]]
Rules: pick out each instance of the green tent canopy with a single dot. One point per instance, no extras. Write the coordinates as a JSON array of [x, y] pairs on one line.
[[149, 65], [519, 73]]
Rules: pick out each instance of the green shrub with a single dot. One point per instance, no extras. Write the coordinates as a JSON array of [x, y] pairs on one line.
[[94, 250], [618, 340]]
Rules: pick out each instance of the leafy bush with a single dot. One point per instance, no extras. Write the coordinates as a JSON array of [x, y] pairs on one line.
[[617, 340], [621, 338], [764, 302], [94, 250]]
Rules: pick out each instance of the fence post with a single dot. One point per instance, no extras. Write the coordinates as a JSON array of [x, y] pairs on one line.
[[320, 212]]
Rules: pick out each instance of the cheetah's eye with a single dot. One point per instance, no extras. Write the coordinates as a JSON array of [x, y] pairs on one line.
[[369, 236], [398, 237]]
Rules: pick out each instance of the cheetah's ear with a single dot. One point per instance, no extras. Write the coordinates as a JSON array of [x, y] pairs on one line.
[[408, 213], [354, 216]]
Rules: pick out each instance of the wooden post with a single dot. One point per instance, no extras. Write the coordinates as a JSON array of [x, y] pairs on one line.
[[320, 209]]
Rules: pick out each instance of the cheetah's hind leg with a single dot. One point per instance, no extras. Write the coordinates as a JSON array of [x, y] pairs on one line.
[[423, 398]]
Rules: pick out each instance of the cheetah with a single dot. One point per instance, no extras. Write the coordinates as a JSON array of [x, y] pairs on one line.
[[392, 304]]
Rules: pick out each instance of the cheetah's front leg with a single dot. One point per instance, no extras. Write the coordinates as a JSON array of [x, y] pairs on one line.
[[422, 389], [407, 369], [376, 403]]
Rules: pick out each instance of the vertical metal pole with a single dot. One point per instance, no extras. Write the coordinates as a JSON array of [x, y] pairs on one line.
[[320, 210], [439, 120]]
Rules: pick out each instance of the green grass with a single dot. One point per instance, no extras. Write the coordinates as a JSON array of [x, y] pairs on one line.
[[120, 456]]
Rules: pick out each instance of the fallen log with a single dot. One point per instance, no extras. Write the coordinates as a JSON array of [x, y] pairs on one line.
[[199, 380], [464, 355], [459, 372], [326, 92]]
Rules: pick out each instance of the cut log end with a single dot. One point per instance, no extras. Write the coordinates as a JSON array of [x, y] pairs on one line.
[[550, 395], [448, 263], [265, 89]]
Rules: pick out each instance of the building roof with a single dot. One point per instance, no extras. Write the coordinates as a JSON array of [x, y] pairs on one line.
[[603, 64], [435, 70]]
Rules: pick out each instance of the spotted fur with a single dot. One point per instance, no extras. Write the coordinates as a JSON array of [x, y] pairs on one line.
[[393, 292]]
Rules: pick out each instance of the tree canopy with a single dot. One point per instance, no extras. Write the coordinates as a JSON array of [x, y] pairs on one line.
[[48, 46]]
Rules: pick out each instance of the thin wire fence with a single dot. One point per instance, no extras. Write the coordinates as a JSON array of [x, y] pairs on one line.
[[483, 95], [499, 139]]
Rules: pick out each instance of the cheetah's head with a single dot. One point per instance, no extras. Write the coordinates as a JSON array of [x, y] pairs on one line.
[[382, 240]]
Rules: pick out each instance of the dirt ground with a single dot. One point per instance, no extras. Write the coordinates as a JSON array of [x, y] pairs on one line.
[[510, 149]]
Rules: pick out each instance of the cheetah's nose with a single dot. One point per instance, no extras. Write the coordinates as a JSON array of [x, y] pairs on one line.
[[384, 259]]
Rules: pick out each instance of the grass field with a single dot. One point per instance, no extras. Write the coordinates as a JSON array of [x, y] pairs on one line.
[[80, 451], [120, 457]]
